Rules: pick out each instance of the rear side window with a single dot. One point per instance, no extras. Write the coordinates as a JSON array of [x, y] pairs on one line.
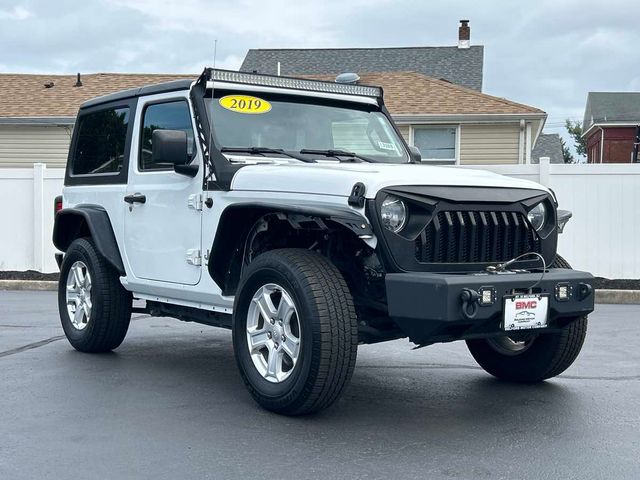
[[164, 116], [100, 145]]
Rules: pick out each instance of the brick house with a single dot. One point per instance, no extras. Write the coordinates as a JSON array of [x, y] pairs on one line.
[[609, 127]]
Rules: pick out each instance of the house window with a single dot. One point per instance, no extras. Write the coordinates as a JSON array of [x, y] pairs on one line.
[[436, 144]]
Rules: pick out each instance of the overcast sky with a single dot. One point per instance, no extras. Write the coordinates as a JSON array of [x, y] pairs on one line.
[[545, 53]]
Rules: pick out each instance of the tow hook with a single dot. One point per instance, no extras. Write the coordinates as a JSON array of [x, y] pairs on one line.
[[470, 303], [584, 290]]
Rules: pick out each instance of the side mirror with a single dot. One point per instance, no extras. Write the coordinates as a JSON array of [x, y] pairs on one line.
[[414, 154], [169, 147]]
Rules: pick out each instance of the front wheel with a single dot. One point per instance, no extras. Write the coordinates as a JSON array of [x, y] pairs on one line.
[[535, 358], [295, 333]]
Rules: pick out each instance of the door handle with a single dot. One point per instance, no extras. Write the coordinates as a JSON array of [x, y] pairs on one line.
[[135, 198]]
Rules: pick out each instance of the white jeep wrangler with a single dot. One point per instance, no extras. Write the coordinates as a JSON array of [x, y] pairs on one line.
[[293, 212]]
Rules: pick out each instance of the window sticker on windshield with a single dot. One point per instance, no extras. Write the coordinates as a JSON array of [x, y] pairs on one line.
[[245, 104], [387, 146]]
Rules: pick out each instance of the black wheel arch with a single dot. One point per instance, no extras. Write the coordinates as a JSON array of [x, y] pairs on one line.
[[237, 221], [88, 221]]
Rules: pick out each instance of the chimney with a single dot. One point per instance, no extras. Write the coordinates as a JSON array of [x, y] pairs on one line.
[[464, 34], [78, 81]]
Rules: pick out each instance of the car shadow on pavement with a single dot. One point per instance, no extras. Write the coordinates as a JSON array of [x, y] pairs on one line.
[[199, 371]]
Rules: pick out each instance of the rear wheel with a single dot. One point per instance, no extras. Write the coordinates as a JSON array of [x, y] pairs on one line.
[[534, 358], [295, 332], [95, 309]]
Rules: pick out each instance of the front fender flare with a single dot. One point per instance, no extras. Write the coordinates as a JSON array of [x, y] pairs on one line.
[[237, 219]]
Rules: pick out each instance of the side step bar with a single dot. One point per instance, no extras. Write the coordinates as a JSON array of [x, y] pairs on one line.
[[185, 314]]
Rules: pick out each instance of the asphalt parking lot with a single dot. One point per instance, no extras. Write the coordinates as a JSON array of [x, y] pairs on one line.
[[169, 403]]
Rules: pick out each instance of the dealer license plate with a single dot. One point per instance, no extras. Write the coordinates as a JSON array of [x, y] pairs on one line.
[[524, 312]]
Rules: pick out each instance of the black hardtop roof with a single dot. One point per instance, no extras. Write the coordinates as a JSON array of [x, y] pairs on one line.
[[165, 87]]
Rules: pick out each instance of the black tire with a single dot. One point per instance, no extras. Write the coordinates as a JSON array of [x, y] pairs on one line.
[[548, 355], [111, 303], [328, 331], [560, 262]]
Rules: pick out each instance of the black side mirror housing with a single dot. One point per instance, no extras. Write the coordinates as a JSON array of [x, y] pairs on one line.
[[190, 170], [169, 147], [414, 154]]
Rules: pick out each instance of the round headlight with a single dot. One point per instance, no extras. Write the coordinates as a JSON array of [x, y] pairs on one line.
[[538, 216], [393, 213]]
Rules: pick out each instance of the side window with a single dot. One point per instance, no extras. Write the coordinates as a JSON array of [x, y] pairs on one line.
[[164, 116], [101, 140]]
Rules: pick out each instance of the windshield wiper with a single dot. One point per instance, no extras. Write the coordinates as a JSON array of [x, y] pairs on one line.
[[266, 150], [336, 154]]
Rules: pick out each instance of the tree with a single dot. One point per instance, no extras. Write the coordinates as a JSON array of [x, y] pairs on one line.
[[575, 130], [566, 153]]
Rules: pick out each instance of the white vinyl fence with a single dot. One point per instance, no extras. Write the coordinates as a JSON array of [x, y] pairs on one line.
[[26, 217], [603, 236]]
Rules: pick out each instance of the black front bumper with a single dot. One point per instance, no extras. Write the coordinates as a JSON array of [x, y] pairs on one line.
[[429, 307]]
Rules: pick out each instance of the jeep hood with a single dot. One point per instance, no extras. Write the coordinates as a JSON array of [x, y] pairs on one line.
[[338, 179]]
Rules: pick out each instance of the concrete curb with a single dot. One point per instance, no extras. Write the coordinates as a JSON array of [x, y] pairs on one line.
[[625, 297], [38, 285]]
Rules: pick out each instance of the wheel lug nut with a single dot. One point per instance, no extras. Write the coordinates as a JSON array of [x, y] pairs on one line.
[[273, 321], [284, 339], [277, 346], [268, 334]]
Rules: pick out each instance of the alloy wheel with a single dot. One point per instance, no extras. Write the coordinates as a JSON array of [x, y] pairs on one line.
[[273, 333], [78, 295]]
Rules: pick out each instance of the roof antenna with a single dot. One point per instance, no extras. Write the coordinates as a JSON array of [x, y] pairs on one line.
[[78, 81]]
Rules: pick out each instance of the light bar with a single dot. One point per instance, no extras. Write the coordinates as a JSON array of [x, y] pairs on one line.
[[293, 83]]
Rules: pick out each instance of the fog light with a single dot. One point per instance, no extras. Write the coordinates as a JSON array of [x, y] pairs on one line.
[[563, 292], [487, 296]]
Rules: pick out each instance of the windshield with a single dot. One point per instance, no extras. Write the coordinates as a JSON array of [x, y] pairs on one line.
[[297, 123]]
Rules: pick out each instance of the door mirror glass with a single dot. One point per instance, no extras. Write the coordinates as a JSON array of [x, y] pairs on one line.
[[414, 153], [169, 147]]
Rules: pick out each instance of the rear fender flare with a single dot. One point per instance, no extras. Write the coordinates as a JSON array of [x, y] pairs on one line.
[[92, 221]]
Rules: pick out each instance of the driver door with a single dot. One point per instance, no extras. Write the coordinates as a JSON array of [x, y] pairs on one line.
[[162, 219]]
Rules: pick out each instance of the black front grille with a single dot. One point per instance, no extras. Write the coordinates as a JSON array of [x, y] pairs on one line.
[[475, 237]]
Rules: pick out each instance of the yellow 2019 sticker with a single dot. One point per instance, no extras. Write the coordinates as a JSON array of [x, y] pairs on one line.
[[245, 104]]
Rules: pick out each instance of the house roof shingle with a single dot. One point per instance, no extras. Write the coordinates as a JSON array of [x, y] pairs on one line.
[[412, 93], [406, 93], [26, 96], [611, 107], [462, 66], [548, 145]]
